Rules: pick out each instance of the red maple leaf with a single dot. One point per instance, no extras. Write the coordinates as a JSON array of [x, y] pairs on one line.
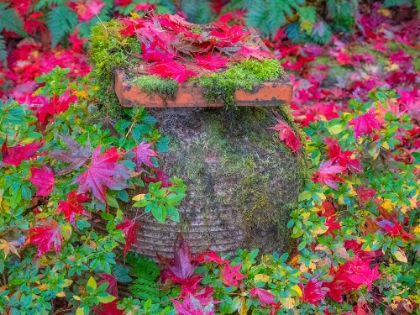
[[264, 296], [287, 135], [342, 158], [47, 235], [211, 61], [108, 309], [314, 292], [232, 275], [15, 155], [43, 178], [103, 172], [171, 69], [365, 124], [191, 306], [181, 268], [57, 105], [210, 257], [351, 276], [72, 206], [327, 174], [143, 153], [130, 230]]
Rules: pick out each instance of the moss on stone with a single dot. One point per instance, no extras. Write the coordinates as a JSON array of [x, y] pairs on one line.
[[109, 50], [222, 85], [151, 84]]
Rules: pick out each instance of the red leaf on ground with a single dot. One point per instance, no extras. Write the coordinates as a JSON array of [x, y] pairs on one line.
[[232, 275], [108, 309], [103, 172], [364, 124], [313, 292], [161, 176], [73, 205], [43, 179], [264, 296], [342, 158], [210, 257], [55, 106], [211, 62], [351, 276], [47, 235], [173, 70], [327, 174], [287, 135], [143, 153], [180, 269], [15, 155], [130, 230], [191, 306]]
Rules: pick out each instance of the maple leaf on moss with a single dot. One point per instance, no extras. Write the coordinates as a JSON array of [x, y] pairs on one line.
[[43, 178], [129, 228], [211, 62], [287, 135], [171, 69], [47, 235], [143, 154], [103, 172], [73, 205], [255, 52], [365, 124], [232, 275], [15, 155]]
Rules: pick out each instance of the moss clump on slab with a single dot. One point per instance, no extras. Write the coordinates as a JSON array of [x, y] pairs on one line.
[[151, 84], [222, 85], [109, 50]]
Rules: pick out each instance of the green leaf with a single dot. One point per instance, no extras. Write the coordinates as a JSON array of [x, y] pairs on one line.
[[10, 20], [106, 299], [61, 21]]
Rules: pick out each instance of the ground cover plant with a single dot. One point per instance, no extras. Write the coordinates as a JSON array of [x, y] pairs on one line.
[[62, 169]]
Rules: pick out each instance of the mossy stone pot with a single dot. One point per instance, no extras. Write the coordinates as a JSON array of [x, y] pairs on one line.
[[242, 180]]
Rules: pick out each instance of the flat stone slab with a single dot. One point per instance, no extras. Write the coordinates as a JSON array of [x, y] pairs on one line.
[[270, 93]]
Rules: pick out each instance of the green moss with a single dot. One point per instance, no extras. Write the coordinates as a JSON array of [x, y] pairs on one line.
[[109, 51], [151, 84], [222, 85]]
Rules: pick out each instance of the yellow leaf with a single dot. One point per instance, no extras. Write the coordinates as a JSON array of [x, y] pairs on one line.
[[92, 283], [297, 289], [385, 12], [335, 129], [60, 294], [243, 309], [80, 311], [261, 277], [43, 287], [385, 145], [138, 197], [81, 94], [387, 204], [76, 297], [67, 283], [66, 231], [417, 229], [288, 302], [400, 256], [8, 247]]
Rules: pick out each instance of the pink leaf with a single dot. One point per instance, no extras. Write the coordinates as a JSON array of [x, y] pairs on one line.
[[47, 235], [43, 179], [232, 275], [364, 124], [143, 153], [173, 70], [103, 172], [264, 296], [15, 155], [287, 135], [327, 174]]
